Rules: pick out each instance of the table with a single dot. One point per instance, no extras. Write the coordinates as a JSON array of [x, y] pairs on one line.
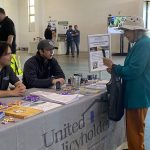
[[82, 125]]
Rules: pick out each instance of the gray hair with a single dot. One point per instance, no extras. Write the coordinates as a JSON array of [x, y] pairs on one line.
[[138, 34]]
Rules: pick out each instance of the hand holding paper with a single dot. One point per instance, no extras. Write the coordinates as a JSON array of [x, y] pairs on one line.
[[107, 62]]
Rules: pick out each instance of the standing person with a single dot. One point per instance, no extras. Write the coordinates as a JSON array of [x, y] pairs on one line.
[[42, 70], [76, 38], [136, 81], [7, 75], [7, 30], [69, 39], [48, 33]]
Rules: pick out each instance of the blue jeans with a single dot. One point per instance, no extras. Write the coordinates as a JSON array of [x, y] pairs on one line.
[[77, 45], [70, 44]]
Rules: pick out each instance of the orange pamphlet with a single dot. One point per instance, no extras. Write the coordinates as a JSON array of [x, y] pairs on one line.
[[21, 112]]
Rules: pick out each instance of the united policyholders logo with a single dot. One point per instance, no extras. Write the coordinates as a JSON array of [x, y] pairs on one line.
[[73, 136]]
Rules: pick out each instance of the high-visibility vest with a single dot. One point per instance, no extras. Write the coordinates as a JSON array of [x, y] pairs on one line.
[[16, 65]]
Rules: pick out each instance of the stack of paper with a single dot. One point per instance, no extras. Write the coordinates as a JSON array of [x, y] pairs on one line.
[[46, 106], [58, 98], [87, 91], [96, 86]]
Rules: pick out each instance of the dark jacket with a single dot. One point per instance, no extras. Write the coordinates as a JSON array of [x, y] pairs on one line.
[[39, 72], [48, 34], [69, 35]]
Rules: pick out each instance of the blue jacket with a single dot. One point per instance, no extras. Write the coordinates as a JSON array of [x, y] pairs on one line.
[[69, 35], [136, 75]]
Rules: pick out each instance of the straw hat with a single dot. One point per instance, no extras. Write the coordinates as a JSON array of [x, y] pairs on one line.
[[133, 23]]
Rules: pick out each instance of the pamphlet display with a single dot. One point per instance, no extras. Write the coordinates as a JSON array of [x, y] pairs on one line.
[[62, 27], [99, 47]]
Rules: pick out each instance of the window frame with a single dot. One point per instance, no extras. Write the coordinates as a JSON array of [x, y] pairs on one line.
[[30, 22]]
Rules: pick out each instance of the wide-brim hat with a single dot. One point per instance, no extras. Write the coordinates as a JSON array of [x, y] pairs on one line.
[[133, 23], [46, 44]]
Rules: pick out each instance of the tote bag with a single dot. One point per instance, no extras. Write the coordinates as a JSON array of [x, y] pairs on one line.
[[115, 98]]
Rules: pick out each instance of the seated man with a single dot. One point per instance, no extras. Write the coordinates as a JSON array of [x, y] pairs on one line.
[[42, 70], [7, 75]]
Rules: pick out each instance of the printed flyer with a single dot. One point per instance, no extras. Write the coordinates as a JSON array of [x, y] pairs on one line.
[[99, 47]]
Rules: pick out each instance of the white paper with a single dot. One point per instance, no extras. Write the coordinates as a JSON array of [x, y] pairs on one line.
[[96, 86], [103, 81], [46, 106], [97, 43], [58, 98]]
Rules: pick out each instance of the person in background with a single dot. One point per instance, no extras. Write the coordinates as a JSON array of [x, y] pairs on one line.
[[48, 33], [54, 35], [7, 75], [135, 74], [7, 30], [42, 70], [76, 38], [8, 34], [70, 41]]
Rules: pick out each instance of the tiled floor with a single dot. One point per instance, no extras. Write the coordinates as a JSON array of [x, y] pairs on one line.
[[80, 65]]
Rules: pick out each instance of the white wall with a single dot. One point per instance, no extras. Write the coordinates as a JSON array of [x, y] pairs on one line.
[[90, 15], [24, 34], [141, 7]]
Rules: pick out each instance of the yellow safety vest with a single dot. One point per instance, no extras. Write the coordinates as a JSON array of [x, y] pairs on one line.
[[16, 65]]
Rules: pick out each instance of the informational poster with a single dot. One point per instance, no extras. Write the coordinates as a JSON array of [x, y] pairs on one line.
[[62, 27], [99, 45]]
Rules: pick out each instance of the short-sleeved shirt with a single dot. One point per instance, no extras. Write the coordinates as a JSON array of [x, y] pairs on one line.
[[76, 37], [7, 76], [7, 28]]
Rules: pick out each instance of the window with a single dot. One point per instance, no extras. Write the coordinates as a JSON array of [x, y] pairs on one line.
[[146, 14], [31, 12]]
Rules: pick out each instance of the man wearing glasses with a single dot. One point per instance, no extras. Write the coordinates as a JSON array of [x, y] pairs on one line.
[[42, 70], [7, 75]]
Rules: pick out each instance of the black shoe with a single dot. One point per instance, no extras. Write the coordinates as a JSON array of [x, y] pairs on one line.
[[72, 55], [67, 53]]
